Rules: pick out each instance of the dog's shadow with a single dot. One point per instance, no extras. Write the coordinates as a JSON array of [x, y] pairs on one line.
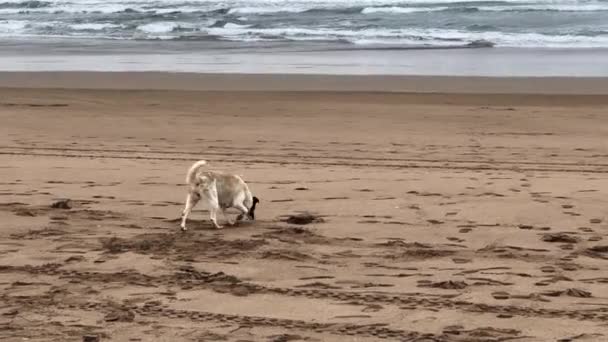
[[207, 225]]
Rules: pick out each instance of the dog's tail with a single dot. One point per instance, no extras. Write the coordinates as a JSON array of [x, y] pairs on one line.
[[190, 178]]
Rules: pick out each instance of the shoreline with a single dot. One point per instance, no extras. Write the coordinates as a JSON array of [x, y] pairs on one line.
[[148, 80]]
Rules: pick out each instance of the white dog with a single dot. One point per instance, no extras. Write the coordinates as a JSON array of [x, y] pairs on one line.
[[219, 191]]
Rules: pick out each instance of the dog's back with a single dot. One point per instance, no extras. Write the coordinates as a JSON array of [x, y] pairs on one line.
[[230, 188]]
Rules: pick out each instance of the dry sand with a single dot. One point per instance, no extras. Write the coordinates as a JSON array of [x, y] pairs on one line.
[[445, 217]]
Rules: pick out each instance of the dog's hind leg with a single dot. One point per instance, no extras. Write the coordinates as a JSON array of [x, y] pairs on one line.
[[229, 221], [210, 198], [243, 209], [240, 203], [191, 201]]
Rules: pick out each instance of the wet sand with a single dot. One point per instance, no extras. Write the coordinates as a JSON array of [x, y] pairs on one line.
[[302, 58], [442, 216]]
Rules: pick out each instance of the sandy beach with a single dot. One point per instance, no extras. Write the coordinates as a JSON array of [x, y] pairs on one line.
[[454, 209]]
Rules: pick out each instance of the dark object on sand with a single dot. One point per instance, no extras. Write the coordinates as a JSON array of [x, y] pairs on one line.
[[573, 292], [64, 203], [449, 285], [120, 316], [304, 218], [559, 237], [90, 338], [599, 249]]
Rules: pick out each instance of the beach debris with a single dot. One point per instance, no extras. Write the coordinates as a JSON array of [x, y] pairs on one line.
[[91, 338], [599, 252], [573, 292], [303, 218], [559, 237], [63, 203], [285, 338], [12, 312], [25, 212], [120, 316]]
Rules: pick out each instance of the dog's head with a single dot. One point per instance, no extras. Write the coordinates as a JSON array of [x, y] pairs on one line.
[[252, 209]]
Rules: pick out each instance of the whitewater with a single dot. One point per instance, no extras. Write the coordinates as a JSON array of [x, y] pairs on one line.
[[560, 24]]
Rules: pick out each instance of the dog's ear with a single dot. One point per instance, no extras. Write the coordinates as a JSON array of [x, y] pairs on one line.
[[255, 200]]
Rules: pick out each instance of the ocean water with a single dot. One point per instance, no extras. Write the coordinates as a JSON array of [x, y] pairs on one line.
[[563, 24]]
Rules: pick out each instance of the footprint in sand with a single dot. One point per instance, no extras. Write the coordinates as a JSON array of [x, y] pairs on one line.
[[541, 283], [569, 267], [384, 198], [396, 223], [461, 261], [501, 295], [316, 277], [432, 221], [547, 269], [319, 285]]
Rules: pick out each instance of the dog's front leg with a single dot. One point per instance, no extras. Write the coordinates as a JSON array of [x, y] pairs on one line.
[[213, 217]]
